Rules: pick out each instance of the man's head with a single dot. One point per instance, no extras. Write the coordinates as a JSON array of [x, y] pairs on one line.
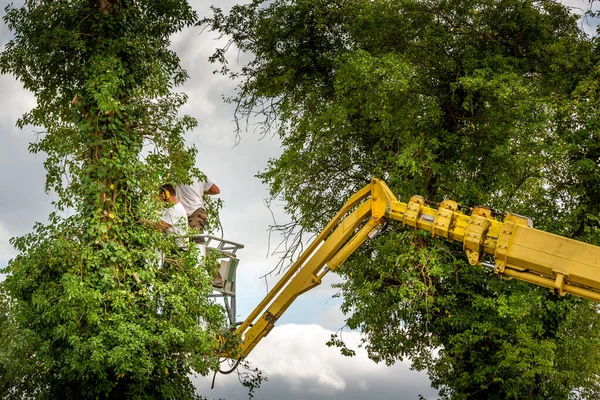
[[167, 193]]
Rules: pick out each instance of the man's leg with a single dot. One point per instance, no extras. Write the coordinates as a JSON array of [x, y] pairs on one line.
[[197, 220]]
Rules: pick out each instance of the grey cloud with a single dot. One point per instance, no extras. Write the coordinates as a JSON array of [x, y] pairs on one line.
[[21, 185], [276, 389], [22, 181], [300, 366]]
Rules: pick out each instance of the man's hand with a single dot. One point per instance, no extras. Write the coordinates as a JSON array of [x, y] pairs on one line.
[[160, 225], [214, 189]]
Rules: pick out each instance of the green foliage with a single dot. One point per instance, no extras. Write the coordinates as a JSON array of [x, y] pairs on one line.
[[251, 377], [481, 101], [98, 304], [492, 338]]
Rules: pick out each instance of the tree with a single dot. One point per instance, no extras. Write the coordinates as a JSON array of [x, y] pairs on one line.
[[94, 311], [485, 102]]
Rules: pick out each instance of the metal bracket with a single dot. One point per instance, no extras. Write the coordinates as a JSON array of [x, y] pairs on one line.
[[413, 209], [443, 218], [475, 233]]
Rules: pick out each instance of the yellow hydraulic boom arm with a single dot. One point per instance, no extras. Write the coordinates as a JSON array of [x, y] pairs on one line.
[[545, 259]]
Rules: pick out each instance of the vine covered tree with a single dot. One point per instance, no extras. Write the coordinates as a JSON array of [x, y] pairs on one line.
[[490, 102], [89, 310]]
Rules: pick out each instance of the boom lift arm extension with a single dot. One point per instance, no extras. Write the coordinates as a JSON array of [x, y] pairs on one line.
[[520, 251]]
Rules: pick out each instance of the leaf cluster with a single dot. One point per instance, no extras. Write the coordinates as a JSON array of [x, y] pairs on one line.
[[488, 102], [99, 303]]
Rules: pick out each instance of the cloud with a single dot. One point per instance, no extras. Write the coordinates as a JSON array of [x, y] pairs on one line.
[[300, 366], [22, 192], [332, 317], [14, 106], [291, 356], [6, 250]]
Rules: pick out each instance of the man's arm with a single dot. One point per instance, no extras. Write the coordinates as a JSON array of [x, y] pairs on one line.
[[160, 225], [214, 189]]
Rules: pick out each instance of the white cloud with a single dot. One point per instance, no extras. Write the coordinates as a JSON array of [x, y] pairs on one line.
[[6, 250], [291, 356], [300, 366], [332, 317], [15, 105]]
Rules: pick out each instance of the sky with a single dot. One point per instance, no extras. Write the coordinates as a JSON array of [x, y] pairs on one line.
[[294, 356]]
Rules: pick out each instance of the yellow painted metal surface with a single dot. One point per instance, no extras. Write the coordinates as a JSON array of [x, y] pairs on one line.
[[519, 251], [342, 235]]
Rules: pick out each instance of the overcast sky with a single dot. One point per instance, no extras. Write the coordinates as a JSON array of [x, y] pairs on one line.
[[294, 355]]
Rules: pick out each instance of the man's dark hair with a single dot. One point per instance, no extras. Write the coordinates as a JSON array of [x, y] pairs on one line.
[[168, 187]]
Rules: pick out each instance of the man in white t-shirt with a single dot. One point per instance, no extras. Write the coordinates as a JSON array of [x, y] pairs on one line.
[[191, 197], [174, 218]]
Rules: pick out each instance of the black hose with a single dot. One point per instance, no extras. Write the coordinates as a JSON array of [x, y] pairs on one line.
[[212, 386], [232, 369]]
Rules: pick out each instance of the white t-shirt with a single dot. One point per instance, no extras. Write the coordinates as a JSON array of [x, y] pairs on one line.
[[177, 218], [191, 195]]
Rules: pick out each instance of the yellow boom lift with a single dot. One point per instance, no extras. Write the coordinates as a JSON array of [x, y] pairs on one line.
[[519, 251]]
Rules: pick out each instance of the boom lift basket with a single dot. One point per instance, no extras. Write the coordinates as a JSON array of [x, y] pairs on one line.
[[227, 270]]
